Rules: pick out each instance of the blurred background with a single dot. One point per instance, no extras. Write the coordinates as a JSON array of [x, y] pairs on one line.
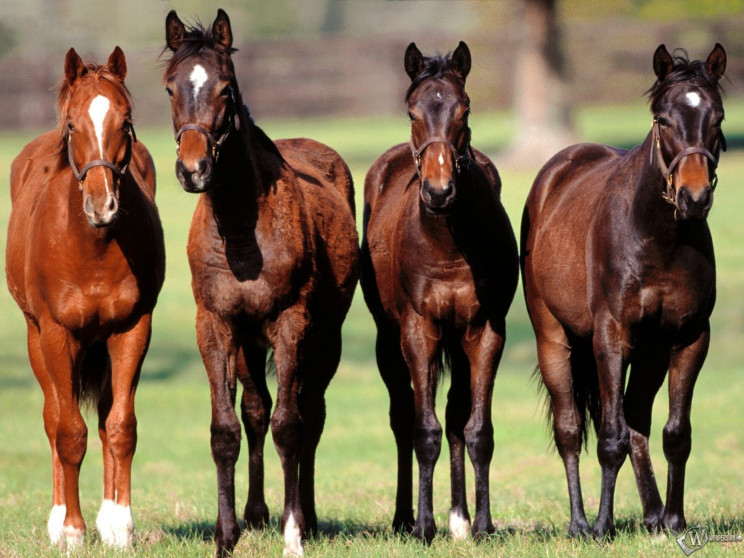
[[316, 58]]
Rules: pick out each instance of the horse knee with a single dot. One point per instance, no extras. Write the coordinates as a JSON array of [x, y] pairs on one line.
[[677, 439], [225, 440], [121, 433], [427, 441], [72, 440], [568, 435], [286, 429], [612, 447], [479, 440]]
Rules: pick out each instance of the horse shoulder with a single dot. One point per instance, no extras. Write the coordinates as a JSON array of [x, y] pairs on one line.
[[36, 162], [489, 171], [144, 167]]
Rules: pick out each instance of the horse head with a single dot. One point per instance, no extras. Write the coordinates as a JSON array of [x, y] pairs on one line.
[[205, 101], [95, 122], [687, 137], [438, 108]]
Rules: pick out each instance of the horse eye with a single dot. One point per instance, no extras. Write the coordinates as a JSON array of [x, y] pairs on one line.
[[70, 127], [226, 91], [169, 91], [411, 117], [662, 121], [466, 115]]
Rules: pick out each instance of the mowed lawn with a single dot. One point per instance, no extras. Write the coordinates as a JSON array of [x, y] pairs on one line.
[[174, 485]]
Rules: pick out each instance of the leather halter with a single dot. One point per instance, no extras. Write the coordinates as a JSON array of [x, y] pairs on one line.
[[462, 160], [233, 122], [118, 172], [669, 193]]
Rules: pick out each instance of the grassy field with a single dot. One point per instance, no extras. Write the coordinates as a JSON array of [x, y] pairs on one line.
[[174, 496]]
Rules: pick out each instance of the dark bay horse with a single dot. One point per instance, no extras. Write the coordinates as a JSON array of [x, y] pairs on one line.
[[85, 262], [618, 269], [274, 257], [439, 272]]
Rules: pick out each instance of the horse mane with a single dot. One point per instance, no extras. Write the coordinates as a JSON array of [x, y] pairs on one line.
[[684, 70], [434, 66], [197, 37], [64, 95]]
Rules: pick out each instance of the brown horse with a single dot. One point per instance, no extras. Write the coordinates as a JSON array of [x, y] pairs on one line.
[[274, 258], [85, 262], [618, 270], [439, 272]]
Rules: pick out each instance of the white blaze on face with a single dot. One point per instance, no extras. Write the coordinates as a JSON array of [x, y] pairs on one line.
[[693, 99], [198, 78], [98, 109]]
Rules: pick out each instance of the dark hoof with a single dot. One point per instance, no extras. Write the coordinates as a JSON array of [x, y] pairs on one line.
[[482, 528], [256, 517], [226, 538], [604, 530], [675, 523], [653, 522], [579, 529], [403, 523], [425, 533]]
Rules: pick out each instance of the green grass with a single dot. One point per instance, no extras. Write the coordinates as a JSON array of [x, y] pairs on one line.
[[174, 486]]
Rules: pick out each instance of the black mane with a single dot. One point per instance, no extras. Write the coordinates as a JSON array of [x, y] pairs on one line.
[[196, 38], [434, 66], [684, 70]]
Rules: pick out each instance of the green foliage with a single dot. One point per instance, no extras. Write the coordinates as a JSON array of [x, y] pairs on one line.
[[174, 486]]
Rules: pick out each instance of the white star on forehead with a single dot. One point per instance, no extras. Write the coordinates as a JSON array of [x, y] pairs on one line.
[[198, 77], [693, 98]]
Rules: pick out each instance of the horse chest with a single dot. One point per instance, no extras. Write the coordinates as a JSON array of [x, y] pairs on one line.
[[445, 292]]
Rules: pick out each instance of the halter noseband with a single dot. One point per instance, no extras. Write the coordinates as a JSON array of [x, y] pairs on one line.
[[233, 122], [462, 160], [669, 193], [118, 172]]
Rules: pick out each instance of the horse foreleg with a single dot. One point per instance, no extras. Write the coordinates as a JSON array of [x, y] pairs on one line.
[[419, 343], [59, 351], [286, 424], [646, 376], [394, 373], [611, 347], [456, 417], [217, 347], [51, 423], [255, 409], [484, 349], [127, 352], [685, 364]]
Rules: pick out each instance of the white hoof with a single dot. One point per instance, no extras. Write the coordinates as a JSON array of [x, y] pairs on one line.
[[115, 524], [292, 539], [459, 526]]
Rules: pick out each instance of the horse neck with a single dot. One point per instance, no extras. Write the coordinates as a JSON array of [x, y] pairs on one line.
[[650, 212], [246, 171]]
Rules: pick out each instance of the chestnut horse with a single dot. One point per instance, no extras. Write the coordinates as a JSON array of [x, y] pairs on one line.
[[85, 262], [274, 254], [618, 269], [439, 272]]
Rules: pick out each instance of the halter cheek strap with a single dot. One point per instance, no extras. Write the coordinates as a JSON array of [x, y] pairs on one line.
[[118, 172], [669, 194], [233, 122]]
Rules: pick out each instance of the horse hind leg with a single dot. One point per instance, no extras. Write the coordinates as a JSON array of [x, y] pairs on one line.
[[554, 354], [255, 409], [55, 524], [395, 375], [321, 358], [646, 376], [456, 417]]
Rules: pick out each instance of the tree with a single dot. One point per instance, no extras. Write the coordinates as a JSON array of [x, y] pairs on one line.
[[543, 111]]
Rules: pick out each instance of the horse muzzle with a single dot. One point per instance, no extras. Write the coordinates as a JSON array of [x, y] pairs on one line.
[[693, 205], [195, 178], [440, 198], [100, 212]]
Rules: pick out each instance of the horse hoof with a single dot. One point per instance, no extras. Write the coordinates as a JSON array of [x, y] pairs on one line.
[[675, 523], [579, 529], [226, 539], [604, 530], [654, 522], [426, 533], [256, 517], [459, 526], [403, 524]]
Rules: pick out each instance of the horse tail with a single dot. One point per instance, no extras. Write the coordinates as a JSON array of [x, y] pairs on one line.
[[585, 389], [95, 374], [586, 386]]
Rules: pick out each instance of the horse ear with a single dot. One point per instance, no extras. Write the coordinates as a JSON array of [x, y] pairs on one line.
[[222, 31], [663, 62], [74, 66], [414, 61], [117, 63], [461, 60], [174, 31], [715, 65]]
